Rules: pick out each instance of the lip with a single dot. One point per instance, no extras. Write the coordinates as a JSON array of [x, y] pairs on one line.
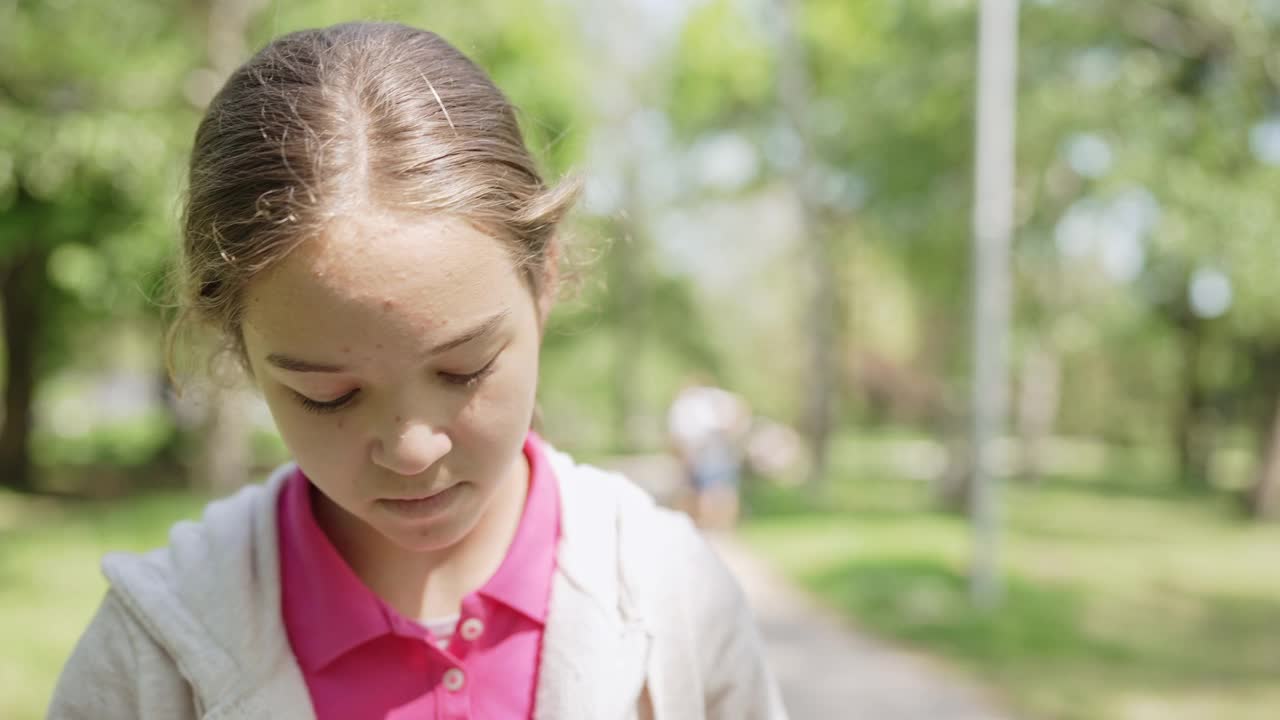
[[415, 508]]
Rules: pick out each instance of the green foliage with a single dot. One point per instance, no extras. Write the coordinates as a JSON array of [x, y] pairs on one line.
[[721, 72], [120, 444]]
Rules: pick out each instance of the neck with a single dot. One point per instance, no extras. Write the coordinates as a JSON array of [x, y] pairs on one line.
[[432, 584]]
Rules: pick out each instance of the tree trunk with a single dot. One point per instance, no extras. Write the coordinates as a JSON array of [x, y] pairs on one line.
[[1191, 427], [23, 288], [954, 487], [822, 341], [224, 459], [794, 97], [1264, 497], [1038, 398]]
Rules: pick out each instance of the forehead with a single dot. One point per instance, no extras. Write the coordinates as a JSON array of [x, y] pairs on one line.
[[376, 273]]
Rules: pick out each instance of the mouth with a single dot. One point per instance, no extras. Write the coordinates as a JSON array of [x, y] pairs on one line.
[[417, 507], [416, 498]]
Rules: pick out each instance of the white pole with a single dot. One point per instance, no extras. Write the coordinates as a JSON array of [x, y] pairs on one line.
[[992, 230]]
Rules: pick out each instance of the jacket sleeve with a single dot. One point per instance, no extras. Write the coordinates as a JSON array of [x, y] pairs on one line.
[[736, 677], [117, 672]]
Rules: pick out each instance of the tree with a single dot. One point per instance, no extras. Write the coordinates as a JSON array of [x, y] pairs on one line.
[[86, 135]]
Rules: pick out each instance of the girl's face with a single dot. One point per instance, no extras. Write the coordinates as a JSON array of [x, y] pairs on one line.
[[399, 358]]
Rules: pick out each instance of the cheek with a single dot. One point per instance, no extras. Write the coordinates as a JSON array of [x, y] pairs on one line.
[[502, 406], [313, 440]]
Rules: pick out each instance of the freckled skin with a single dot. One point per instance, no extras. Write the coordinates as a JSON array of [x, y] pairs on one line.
[[345, 298]]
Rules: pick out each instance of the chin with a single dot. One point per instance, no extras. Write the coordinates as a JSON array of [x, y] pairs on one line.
[[436, 536]]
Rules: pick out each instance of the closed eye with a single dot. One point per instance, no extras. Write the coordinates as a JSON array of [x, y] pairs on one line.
[[326, 406], [470, 379]]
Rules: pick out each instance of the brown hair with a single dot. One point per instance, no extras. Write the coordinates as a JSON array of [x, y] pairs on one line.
[[324, 121]]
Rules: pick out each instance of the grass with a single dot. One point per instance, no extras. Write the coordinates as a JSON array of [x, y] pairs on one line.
[[50, 584], [1125, 600]]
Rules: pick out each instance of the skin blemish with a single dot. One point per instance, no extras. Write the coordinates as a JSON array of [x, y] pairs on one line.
[[387, 305], [346, 348], [397, 418], [379, 346], [340, 423]]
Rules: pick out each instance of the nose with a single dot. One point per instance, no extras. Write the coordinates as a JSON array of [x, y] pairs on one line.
[[410, 447]]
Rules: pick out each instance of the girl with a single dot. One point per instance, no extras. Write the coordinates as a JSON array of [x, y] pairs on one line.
[[369, 234]]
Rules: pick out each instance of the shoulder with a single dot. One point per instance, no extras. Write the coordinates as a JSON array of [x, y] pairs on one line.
[[581, 482], [618, 504], [210, 598], [222, 541], [118, 671], [659, 549]]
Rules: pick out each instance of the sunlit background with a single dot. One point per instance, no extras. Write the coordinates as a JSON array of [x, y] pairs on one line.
[[779, 198]]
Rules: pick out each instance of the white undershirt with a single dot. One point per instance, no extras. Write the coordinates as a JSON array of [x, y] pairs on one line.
[[442, 628]]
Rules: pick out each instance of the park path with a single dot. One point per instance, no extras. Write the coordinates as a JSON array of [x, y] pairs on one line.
[[827, 669]]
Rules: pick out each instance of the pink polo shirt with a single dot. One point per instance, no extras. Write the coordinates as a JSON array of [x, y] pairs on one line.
[[362, 659]]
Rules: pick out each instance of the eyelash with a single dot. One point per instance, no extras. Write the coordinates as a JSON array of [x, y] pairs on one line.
[[321, 408], [330, 406], [472, 379]]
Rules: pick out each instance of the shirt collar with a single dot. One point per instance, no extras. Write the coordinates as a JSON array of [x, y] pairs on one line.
[[328, 610], [523, 580]]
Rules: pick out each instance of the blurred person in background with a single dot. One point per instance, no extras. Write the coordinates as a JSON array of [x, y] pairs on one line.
[[368, 233], [707, 426]]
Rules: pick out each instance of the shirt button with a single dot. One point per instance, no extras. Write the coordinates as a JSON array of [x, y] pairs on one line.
[[454, 679], [471, 629]]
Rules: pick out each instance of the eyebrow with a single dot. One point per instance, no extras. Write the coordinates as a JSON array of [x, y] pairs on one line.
[[483, 329]]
